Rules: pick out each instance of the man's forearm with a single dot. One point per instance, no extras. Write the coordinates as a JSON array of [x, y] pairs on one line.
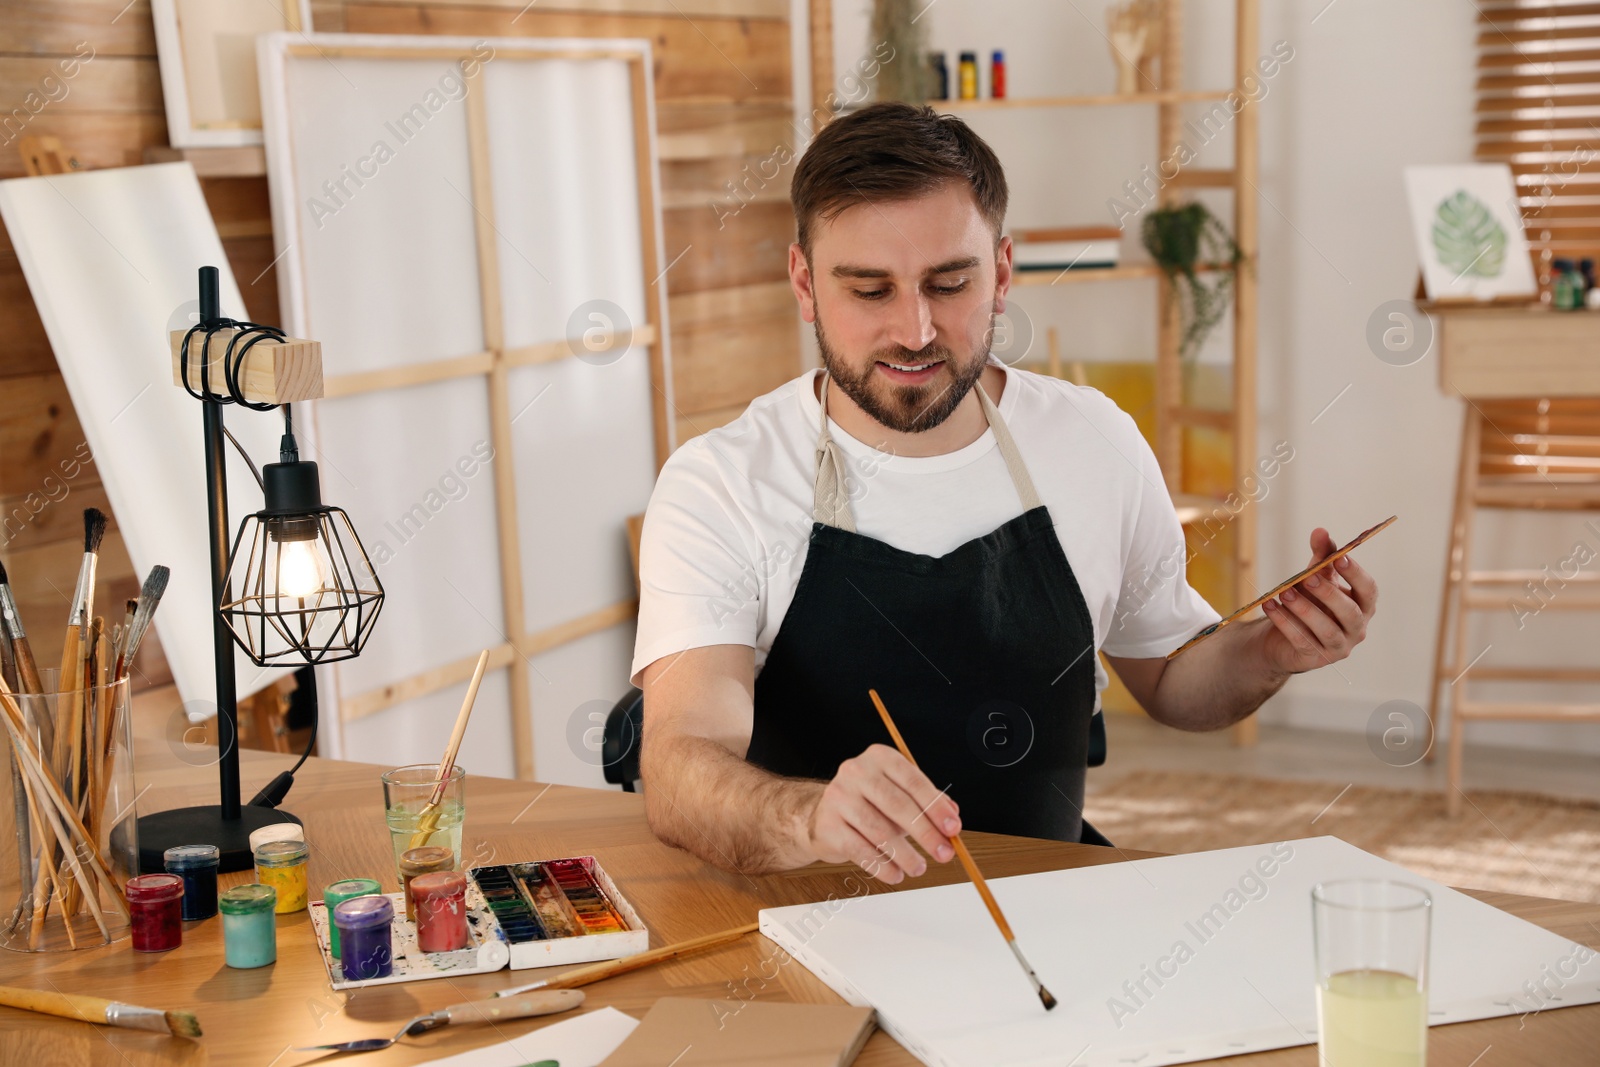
[[702, 798], [1219, 681]]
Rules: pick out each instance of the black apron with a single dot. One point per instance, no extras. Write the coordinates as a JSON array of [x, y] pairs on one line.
[[984, 656]]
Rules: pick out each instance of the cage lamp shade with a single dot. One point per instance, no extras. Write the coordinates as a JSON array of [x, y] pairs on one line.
[[300, 586]]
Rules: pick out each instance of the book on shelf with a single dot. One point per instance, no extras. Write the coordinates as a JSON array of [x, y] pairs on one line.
[[1066, 248]]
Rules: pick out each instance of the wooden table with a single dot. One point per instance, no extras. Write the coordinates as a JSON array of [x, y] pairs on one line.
[[251, 1017]]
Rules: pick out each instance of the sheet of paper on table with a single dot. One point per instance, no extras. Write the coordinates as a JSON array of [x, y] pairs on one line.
[[582, 1041], [1157, 961]]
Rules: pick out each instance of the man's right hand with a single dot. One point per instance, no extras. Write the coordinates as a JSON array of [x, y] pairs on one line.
[[876, 801]]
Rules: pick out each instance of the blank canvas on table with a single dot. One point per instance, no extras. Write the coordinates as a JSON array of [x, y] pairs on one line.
[[1154, 961]]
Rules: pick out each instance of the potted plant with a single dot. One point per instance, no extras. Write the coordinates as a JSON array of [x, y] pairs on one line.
[[1184, 240]]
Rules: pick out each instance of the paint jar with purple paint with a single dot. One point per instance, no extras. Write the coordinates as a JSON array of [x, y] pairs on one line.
[[365, 949]]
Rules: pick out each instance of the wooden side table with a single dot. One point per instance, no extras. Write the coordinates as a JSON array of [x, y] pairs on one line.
[[1530, 440]]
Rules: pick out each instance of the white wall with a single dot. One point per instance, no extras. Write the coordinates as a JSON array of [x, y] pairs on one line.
[[1371, 87]]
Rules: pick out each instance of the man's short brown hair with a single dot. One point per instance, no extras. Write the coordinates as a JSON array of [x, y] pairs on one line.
[[892, 151]]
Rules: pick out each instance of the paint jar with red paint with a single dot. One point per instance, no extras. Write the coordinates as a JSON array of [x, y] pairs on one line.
[[155, 911], [441, 903]]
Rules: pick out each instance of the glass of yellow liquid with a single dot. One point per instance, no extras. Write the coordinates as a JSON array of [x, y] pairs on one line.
[[1372, 973], [407, 793]]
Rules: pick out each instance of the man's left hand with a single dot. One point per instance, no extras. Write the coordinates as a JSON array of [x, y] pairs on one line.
[[1320, 620]]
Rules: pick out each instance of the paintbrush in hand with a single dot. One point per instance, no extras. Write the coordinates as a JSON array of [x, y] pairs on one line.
[[98, 1010], [428, 818], [972, 869]]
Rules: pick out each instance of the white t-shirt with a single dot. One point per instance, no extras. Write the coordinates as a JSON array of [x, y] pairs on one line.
[[729, 522]]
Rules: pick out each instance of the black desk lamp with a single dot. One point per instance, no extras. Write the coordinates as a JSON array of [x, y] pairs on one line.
[[307, 592]]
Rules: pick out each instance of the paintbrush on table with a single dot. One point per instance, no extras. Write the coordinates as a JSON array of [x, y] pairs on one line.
[[428, 818], [595, 972], [98, 1010], [967, 861]]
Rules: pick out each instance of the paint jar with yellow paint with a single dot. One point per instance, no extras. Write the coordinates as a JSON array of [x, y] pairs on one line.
[[282, 865]]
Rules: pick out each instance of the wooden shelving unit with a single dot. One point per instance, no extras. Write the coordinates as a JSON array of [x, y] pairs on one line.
[[1173, 413], [1089, 100]]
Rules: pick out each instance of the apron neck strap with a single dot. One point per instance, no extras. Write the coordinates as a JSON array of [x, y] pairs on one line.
[[832, 504]]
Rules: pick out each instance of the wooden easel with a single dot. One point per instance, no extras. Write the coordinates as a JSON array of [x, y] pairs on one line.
[[44, 154]]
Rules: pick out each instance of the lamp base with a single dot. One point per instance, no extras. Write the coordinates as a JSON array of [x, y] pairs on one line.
[[204, 825]]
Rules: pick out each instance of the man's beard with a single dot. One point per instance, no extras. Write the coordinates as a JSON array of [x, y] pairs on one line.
[[905, 408]]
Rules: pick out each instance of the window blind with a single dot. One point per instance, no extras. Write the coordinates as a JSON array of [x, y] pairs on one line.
[[1538, 110]]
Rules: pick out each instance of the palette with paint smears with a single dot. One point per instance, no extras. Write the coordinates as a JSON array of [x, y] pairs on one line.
[[559, 911]]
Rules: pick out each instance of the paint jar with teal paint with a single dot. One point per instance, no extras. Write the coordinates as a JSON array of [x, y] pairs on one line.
[[337, 894], [249, 927]]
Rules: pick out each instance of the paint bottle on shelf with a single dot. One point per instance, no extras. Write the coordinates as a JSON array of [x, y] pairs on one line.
[[997, 75], [969, 75], [938, 77], [1566, 285]]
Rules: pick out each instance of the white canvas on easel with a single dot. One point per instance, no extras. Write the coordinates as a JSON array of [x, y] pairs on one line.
[[112, 259], [1156, 961], [452, 214]]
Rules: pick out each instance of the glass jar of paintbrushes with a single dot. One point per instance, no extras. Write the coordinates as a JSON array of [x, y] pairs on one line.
[[68, 834]]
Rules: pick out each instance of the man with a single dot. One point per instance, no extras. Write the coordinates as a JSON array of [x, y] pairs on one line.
[[959, 535]]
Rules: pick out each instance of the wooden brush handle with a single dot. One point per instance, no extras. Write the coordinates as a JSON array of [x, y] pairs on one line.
[[29, 684], [521, 1006], [956, 843], [66, 1005], [449, 761], [594, 972], [27, 668], [982, 886]]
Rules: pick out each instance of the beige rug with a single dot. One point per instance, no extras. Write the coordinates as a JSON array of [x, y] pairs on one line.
[[1513, 842]]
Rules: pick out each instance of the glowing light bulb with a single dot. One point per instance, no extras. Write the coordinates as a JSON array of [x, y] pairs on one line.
[[298, 573]]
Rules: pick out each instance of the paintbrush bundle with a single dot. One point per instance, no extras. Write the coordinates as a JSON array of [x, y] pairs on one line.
[[71, 763]]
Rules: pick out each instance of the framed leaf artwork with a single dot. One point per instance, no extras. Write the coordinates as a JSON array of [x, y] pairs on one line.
[[1468, 227], [207, 50]]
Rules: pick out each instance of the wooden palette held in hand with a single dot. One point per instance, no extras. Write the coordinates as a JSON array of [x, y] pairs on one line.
[[1320, 565]]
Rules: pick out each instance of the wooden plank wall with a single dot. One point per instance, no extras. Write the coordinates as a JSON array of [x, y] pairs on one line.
[[727, 143]]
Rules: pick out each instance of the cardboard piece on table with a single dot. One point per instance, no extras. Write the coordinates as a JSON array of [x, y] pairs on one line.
[[1320, 565], [731, 1033], [579, 1041]]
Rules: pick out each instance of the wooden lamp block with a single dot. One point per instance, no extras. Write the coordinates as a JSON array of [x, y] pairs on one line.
[[274, 372]]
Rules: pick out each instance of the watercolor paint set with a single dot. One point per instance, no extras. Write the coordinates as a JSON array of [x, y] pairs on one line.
[[537, 913], [559, 911]]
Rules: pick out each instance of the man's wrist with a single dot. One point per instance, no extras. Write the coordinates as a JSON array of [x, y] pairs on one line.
[[1271, 673]]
